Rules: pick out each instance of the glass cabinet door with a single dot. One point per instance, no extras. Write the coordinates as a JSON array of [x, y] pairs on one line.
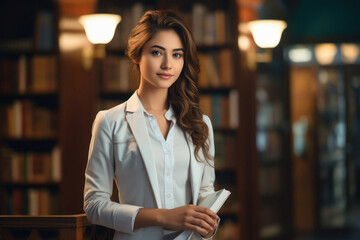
[[353, 162], [271, 142], [331, 139]]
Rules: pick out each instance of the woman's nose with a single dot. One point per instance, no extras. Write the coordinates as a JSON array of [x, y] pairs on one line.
[[166, 64]]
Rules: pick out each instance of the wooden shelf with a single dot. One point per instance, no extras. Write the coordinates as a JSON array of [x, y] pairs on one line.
[[48, 221], [10, 185]]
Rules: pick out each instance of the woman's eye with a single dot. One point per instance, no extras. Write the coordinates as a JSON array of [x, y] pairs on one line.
[[156, 53], [177, 55]]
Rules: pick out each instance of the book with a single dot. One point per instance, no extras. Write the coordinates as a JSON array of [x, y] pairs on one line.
[[214, 202]]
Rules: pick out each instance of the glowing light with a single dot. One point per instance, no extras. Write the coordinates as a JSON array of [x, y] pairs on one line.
[[72, 41], [300, 55], [325, 53], [243, 42], [100, 28], [349, 52], [267, 33]]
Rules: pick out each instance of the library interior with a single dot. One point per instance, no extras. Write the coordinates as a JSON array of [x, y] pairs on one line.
[[286, 114]]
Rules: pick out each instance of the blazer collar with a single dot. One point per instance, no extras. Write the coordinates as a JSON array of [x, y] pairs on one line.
[[135, 118], [133, 104]]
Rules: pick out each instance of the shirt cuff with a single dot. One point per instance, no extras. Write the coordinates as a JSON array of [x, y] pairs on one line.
[[125, 218], [133, 219]]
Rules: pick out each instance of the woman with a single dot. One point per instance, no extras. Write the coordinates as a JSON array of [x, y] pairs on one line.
[[157, 146]]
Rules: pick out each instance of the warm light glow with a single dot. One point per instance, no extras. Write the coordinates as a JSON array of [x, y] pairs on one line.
[[267, 33], [72, 41], [325, 53], [100, 28], [300, 55], [349, 52], [243, 42]]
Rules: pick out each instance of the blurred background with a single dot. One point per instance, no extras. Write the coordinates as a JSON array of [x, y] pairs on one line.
[[286, 112]]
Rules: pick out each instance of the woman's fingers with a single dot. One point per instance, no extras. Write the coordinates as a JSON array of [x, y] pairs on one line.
[[204, 220], [190, 217], [207, 211]]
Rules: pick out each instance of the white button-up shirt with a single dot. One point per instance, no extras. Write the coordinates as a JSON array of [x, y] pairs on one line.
[[172, 158]]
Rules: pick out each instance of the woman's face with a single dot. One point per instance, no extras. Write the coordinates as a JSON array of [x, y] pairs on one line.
[[162, 60]]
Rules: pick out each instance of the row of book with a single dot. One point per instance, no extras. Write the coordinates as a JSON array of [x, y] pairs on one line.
[[30, 167], [269, 114], [119, 75], [27, 119], [37, 74], [32, 201], [42, 36], [216, 69], [129, 18], [45, 31], [271, 226], [221, 108], [209, 27], [269, 145], [225, 150], [270, 180]]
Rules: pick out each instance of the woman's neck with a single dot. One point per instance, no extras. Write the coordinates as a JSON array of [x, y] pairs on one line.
[[153, 100]]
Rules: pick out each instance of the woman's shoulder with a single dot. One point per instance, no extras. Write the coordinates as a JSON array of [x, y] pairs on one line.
[[207, 120], [115, 113]]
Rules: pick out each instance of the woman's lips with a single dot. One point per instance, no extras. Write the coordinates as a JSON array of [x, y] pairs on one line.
[[164, 75]]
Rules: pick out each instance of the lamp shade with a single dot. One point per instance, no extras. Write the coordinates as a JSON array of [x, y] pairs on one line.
[[100, 28], [267, 33]]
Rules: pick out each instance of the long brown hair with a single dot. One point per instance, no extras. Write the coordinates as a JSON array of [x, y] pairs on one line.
[[183, 95]]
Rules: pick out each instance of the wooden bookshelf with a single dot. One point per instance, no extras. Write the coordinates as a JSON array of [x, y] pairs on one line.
[[29, 144], [273, 144], [324, 169]]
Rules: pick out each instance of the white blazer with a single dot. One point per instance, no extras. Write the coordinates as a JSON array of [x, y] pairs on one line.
[[120, 149]]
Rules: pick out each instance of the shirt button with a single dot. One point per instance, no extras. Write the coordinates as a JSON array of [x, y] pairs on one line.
[[168, 195], [166, 152], [168, 174]]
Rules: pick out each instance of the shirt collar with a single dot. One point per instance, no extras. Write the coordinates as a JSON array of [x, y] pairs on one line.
[[169, 115]]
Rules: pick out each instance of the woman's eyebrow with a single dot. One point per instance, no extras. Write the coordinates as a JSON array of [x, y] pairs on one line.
[[162, 48]]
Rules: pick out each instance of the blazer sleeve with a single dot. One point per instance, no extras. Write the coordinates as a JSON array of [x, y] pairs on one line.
[[208, 179], [99, 176]]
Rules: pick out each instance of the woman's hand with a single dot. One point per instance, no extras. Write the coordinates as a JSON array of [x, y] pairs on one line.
[[190, 217]]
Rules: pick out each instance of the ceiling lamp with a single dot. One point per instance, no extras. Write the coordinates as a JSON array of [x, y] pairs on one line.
[[269, 26], [267, 32], [100, 28]]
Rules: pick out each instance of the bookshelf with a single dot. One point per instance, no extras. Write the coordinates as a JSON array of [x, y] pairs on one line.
[[29, 145], [272, 143], [327, 104], [330, 144], [214, 27]]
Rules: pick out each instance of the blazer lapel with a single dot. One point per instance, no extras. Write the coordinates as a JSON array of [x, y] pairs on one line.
[[136, 120], [195, 171]]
